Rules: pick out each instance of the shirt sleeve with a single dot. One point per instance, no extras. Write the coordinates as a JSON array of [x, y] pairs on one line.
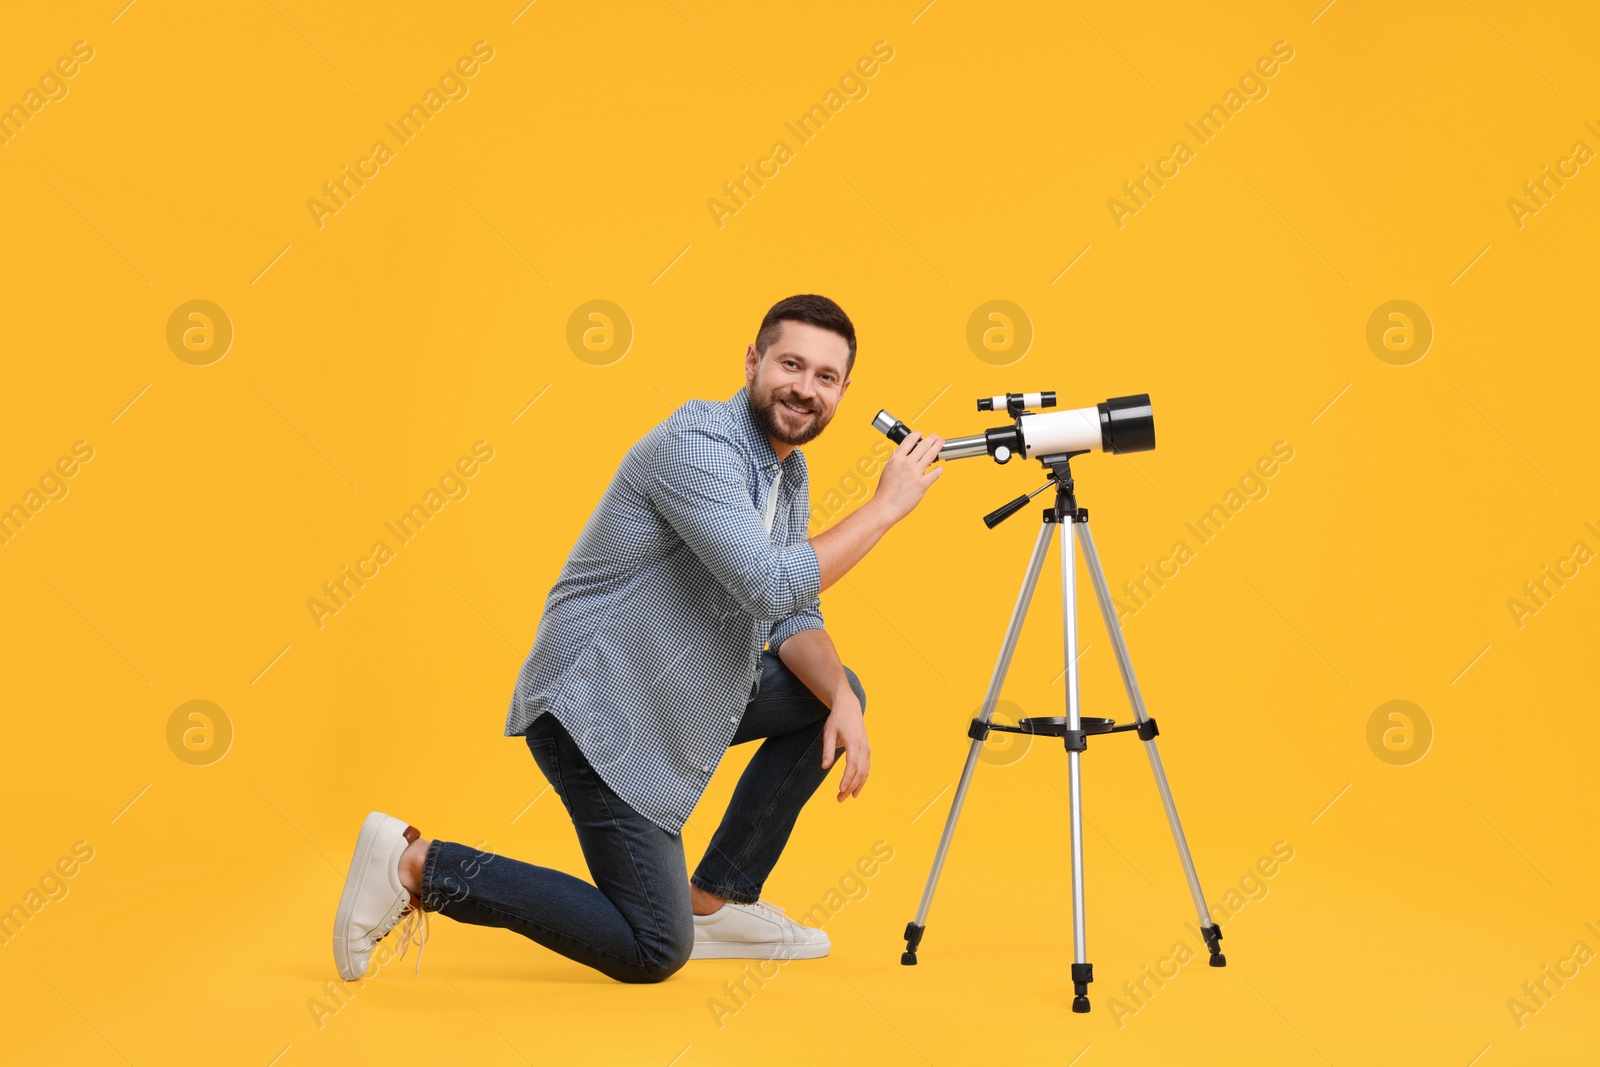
[[697, 482], [810, 616]]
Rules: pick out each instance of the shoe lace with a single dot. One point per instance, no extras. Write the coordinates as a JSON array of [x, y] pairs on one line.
[[414, 928], [772, 909]]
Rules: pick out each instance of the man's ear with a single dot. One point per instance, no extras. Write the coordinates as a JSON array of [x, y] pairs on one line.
[[751, 358]]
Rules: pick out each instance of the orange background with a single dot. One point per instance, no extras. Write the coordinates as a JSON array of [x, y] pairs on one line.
[[1438, 862]]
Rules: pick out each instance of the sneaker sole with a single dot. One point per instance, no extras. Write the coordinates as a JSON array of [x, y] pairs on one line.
[[756, 950], [366, 841]]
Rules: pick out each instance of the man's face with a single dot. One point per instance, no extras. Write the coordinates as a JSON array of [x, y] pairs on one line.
[[797, 386]]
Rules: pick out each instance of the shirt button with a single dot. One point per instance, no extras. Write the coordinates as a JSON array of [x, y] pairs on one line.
[[733, 718], [706, 767]]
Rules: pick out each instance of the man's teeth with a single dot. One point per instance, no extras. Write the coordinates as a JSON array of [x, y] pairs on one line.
[[791, 407]]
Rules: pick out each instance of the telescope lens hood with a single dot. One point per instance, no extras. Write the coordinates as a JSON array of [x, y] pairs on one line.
[[1127, 424]]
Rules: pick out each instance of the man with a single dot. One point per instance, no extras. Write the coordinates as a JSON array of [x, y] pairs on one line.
[[648, 663]]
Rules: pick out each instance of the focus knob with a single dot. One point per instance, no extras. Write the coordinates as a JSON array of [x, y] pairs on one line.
[[1002, 453]]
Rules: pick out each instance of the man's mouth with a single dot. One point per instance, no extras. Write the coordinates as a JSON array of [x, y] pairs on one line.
[[796, 410]]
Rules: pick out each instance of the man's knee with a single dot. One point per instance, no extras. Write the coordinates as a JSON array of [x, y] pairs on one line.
[[665, 957], [662, 966], [856, 687], [654, 972]]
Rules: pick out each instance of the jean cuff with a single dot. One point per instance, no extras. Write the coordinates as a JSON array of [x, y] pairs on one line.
[[431, 900], [727, 892]]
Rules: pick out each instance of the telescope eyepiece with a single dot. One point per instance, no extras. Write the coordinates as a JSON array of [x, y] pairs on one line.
[[890, 427]]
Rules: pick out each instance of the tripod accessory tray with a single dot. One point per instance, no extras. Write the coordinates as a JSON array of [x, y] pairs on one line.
[[1056, 726]]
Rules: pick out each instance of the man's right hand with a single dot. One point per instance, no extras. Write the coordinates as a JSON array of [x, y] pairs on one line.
[[907, 474]]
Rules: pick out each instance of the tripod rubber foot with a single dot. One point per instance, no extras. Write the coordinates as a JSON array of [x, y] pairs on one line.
[[913, 938], [1213, 938], [1080, 1004]]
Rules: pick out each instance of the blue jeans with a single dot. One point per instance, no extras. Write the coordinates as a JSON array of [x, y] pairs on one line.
[[635, 923]]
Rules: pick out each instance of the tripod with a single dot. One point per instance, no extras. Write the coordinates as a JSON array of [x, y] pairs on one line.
[[1073, 728]]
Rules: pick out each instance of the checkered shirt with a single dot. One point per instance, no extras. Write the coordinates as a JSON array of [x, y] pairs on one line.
[[649, 648]]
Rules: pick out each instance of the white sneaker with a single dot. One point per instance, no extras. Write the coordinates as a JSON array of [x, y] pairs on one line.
[[759, 931], [374, 900]]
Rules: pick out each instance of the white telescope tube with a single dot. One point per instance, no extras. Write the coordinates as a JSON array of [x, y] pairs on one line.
[[1061, 431]]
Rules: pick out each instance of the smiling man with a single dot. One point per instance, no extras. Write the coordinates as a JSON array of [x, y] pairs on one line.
[[649, 663]]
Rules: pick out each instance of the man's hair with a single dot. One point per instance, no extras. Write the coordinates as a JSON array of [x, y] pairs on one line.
[[810, 308]]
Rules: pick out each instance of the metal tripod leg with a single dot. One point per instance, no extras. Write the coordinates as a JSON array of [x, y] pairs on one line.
[[1082, 971], [1209, 930], [914, 929]]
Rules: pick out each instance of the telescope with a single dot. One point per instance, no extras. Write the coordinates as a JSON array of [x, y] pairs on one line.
[[1119, 425]]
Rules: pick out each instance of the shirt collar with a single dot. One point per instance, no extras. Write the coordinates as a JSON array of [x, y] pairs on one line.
[[758, 443]]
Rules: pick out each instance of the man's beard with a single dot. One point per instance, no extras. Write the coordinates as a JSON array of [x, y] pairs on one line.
[[767, 417]]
